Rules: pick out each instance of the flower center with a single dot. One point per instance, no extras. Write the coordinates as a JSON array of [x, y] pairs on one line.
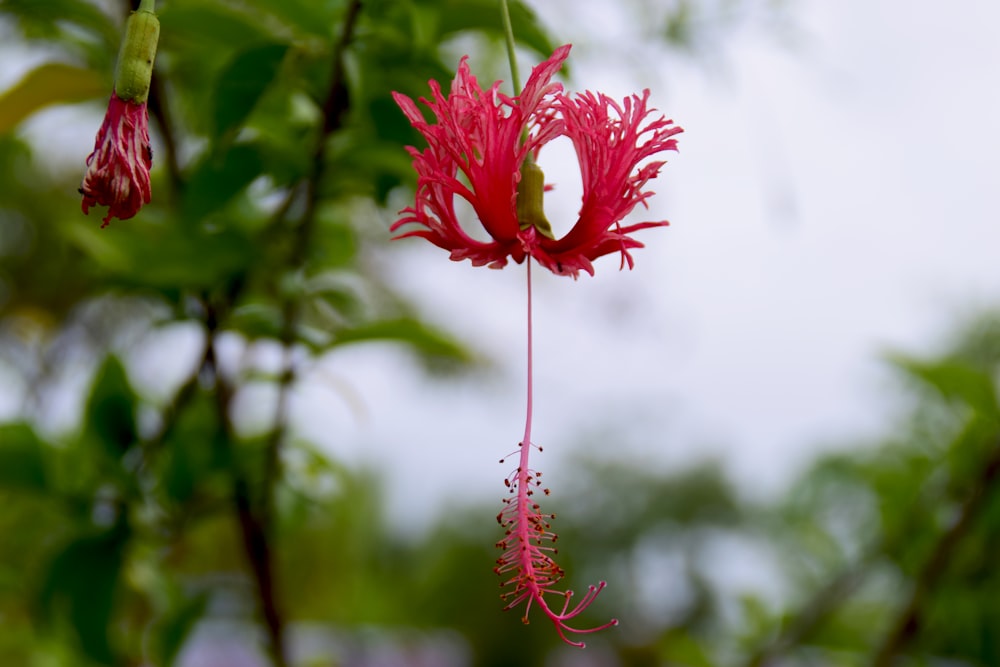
[[531, 200]]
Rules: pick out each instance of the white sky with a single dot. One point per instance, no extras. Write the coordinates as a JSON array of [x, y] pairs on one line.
[[835, 196]]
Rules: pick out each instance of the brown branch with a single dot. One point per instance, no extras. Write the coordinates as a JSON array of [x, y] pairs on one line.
[[255, 514], [334, 107], [253, 528], [256, 522], [159, 109], [907, 624]]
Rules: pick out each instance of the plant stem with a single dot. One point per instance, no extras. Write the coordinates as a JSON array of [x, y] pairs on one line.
[[515, 80]]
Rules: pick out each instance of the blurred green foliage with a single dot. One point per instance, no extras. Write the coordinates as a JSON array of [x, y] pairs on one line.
[[278, 144]]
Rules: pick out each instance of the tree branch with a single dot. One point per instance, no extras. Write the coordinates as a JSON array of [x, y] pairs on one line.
[[253, 529], [254, 514], [334, 107], [907, 623], [812, 615], [256, 524]]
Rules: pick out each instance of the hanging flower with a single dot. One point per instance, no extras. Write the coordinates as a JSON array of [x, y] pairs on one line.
[[118, 168], [483, 145]]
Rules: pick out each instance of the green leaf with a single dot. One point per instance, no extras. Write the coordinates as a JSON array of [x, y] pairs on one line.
[[110, 411], [22, 464], [955, 380], [197, 24], [81, 584], [217, 179], [176, 254], [61, 20], [257, 320], [680, 648], [309, 16], [459, 16], [410, 331], [242, 83], [175, 627], [192, 452], [51, 83]]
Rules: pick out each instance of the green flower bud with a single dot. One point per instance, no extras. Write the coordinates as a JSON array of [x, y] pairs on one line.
[[135, 59]]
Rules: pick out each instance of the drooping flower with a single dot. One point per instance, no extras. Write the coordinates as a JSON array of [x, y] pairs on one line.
[[482, 146], [118, 168]]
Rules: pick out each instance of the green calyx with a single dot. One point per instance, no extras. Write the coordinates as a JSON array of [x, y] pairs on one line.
[[135, 59], [531, 200]]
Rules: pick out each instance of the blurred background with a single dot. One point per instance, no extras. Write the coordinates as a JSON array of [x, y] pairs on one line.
[[243, 428]]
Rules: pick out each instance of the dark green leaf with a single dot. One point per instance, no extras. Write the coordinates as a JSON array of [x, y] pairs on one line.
[[170, 255], [22, 463], [242, 83], [193, 24], [80, 586], [216, 180], [110, 413], [682, 649], [191, 450]]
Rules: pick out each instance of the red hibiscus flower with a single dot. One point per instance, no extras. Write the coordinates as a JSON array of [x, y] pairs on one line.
[[482, 147], [118, 169]]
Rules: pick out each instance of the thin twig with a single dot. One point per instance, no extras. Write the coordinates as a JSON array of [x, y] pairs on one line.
[[256, 532], [334, 108], [253, 530], [254, 515], [812, 615], [159, 110], [907, 623]]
